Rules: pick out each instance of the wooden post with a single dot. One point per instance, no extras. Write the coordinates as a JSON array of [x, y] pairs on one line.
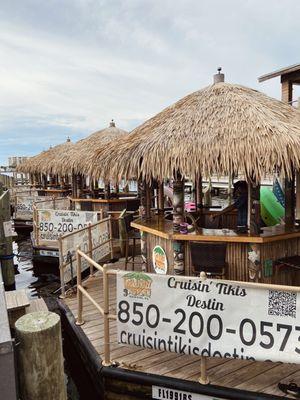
[[289, 191], [198, 193], [161, 199], [286, 90], [79, 320], [40, 358], [148, 200], [178, 218], [44, 181], [6, 248], [106, 362], [74, 186], [230, 181], [142, 194], [107, 190], [297, 173], [289, 184], [79, 182], [254, 219]]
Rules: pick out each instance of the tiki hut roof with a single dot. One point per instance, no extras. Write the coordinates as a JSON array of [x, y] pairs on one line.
[[78, 159], [221, 129], [45, 161]]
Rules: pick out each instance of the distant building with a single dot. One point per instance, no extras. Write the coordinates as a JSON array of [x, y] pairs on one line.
[[15, 161]]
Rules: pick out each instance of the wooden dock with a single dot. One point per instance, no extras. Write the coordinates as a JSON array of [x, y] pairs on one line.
[[258, 378]]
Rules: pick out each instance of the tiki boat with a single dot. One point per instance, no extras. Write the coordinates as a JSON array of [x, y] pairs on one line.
[[120, 320], [73, 198]]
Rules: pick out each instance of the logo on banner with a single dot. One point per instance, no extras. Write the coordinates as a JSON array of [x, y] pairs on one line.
[[137, 285], [159, 259]]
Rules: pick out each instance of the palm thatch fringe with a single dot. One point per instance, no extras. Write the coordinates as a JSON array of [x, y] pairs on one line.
[[77, 159], [221, 129], [45, 161]]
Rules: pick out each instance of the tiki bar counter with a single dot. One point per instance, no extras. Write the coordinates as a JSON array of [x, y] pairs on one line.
[[245, 257]]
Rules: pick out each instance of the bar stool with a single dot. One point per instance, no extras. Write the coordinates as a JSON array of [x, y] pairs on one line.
[[129, 233]]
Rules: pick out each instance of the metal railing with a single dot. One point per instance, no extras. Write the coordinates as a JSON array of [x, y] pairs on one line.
[[104, 311]]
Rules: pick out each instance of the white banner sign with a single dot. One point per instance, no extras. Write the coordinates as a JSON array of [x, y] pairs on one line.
[[212, 318], [53, 223], [24, 207], [100, 235]]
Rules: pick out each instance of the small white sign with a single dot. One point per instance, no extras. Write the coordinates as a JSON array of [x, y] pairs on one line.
[[163, 393], [53, 223], [49, 253], [8, 229]]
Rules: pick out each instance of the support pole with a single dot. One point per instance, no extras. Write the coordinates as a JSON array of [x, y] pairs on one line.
[[229, 190], [74, 186], [254, 218], [297, 194], [79, 182], [6, 248], [198, 193], [161, 199], [107, 191], [148, 200], [178, 218], [40, 356], [289, 191], [142, 194]]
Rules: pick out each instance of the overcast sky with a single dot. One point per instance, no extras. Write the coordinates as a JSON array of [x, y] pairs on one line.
[[69, 66]]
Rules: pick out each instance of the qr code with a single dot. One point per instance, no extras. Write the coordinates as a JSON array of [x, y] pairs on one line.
[[282, 304]]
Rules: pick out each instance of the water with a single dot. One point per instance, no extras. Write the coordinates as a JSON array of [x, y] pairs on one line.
[[40, 280]]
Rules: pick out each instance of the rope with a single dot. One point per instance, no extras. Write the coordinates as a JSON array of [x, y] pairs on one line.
[[7, 256]]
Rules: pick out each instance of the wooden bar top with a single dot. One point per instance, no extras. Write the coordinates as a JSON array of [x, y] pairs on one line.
[[107, 201], [54, 190], [161, 227]]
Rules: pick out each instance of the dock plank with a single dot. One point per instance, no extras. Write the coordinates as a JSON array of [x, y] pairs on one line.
[[16, 299]]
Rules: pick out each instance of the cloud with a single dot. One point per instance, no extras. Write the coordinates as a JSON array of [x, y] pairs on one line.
[[69, 66]]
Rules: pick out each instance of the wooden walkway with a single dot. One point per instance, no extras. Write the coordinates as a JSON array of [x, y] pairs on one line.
[[255, 376]]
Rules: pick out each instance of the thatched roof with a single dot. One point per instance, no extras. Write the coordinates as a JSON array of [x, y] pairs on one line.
[[45, 161], [78, 158], [221, 129]]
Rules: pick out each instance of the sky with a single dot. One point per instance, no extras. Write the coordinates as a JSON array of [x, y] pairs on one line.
[[70, 66]]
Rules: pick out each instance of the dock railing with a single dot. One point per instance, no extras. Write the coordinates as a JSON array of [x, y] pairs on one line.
[[97, 242], [104, 311]]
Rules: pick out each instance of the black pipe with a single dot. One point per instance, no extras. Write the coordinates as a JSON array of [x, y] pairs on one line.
[[179, 384]]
